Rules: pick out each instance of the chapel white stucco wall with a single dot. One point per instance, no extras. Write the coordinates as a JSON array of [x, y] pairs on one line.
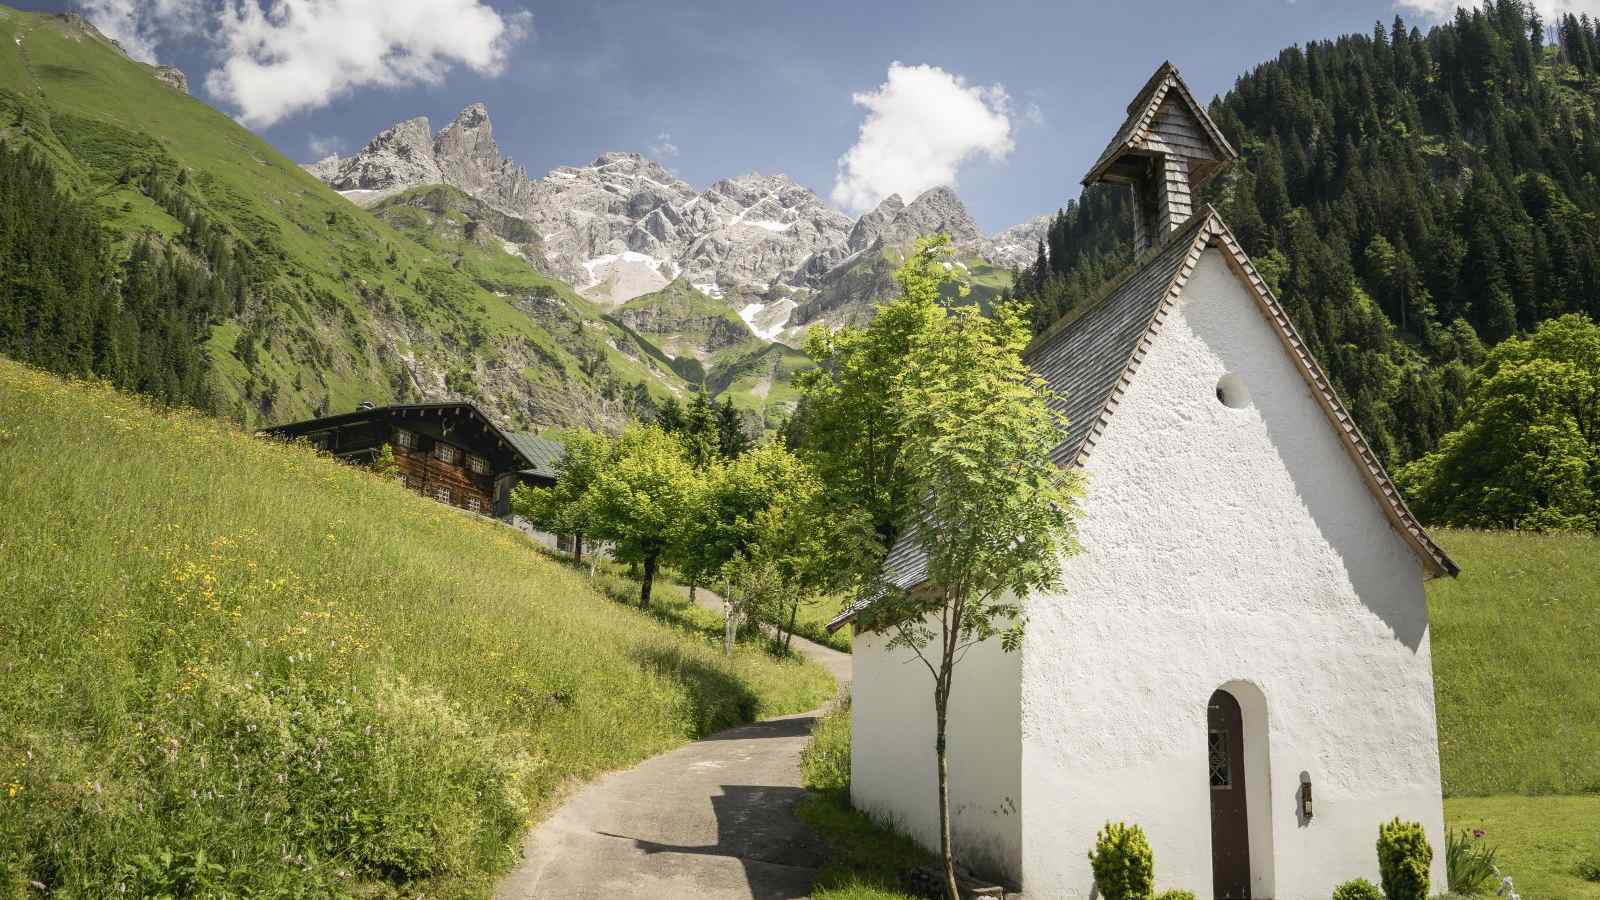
[[1220, 546], [893, 769]]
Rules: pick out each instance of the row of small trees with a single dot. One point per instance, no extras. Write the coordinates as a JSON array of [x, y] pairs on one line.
[[754, 522], [924, 425]]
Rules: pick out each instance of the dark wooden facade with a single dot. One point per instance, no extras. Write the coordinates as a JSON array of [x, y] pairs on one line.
[[450, 452]]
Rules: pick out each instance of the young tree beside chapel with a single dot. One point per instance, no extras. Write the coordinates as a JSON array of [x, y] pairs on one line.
[[963, 426]]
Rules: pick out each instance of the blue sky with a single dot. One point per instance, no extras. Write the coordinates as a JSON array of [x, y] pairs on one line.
[[735, 86]]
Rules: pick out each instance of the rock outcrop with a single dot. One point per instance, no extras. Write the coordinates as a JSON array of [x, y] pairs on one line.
[[173, 77], [1018, 246]]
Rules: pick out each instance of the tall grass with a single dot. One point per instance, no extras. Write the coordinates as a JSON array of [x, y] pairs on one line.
[[1516, 663], [231, 666]]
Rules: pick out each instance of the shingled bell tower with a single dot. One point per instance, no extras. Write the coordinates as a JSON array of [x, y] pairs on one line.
[[1166, 150]]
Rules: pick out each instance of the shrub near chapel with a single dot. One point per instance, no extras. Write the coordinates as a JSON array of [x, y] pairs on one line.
[[1124, 866], [1404, 858]]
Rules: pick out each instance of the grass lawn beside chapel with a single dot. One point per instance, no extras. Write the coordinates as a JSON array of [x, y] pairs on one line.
[[1516, 661]]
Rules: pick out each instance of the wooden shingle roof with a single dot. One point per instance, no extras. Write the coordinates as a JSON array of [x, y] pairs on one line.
[[1137, 134], [1088, 360]]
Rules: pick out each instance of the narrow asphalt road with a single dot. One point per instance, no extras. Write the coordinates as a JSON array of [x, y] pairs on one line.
[[713, 819]]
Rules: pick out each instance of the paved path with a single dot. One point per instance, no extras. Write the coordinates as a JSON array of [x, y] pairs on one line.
[[709, 820]]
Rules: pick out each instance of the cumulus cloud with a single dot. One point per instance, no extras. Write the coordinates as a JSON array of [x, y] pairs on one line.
[[1440, 10], [921, 126], [301, 54], [275, 58], [663, 146]]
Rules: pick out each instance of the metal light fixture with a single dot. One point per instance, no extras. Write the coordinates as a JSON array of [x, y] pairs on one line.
[[1305, 798]]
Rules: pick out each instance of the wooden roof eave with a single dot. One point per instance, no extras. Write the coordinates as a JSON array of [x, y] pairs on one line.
[[1141, 115]]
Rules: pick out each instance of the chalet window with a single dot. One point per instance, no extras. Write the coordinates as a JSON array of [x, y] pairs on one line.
[[322, 440], [446, 453], [478, 464], [474, 504], [441, 494], [404, 439]]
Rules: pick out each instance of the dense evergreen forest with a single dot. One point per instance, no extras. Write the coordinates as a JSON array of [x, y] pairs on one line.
[[1411, 198], [71, 304]]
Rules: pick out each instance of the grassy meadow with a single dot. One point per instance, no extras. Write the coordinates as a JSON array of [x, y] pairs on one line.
[[1516, 663], [237, 667]]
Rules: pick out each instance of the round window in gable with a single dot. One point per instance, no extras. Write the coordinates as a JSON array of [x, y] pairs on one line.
[[1232, 392]]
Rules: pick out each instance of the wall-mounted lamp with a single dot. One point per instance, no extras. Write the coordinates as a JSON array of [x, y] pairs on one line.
[[1305, 797]]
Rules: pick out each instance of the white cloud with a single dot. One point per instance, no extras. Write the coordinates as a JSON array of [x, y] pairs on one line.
[[322, 147], [301, 54], [279, 57], [1033, 112], [663, 147], [140, 26], [922, 124], [1441, 10]]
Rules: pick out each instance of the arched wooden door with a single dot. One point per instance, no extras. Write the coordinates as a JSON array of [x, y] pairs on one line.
[[1230, 827]]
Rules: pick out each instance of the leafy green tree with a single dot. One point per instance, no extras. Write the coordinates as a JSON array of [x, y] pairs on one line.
[[848, 426], [564, 508], [972, 433], [1527, 454], [643, 498], [768, 531]]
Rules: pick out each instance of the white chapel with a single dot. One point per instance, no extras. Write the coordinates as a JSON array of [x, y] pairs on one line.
[[1239, 661]]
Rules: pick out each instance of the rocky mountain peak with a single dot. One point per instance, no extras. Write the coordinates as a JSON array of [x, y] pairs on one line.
[[624, 225], [474, 115], [1018, 246], [938, 209], [400, 156], [469, 158]]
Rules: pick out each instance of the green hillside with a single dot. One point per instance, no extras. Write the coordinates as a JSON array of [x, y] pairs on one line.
[[500, 253], [1410, 196], [233, 667], [762, 381], [689, 325], [334, 305]]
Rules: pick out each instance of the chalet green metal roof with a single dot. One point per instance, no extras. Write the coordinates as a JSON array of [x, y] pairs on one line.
[[541, 453]]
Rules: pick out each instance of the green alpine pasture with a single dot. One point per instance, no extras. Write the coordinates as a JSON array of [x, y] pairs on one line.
[[238, 667]]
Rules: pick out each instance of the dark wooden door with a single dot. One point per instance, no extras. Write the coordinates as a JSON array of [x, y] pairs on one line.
[[1230, 830]]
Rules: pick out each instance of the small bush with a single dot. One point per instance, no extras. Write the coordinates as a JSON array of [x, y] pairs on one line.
[[1357, 889], [1175, 895], [1469, 862], [1404, 857], [1124, 867], [1589, 866]]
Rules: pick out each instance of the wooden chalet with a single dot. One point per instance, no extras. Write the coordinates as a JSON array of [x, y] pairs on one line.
[[450, 452]]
